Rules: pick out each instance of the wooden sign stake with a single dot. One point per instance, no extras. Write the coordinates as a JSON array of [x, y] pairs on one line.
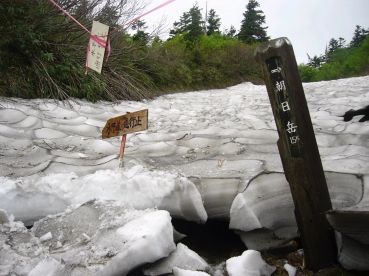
[[121, 152], [299, 152]]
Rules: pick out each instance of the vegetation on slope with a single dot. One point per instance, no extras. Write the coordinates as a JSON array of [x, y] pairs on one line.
[[340, 60], [42, 52]]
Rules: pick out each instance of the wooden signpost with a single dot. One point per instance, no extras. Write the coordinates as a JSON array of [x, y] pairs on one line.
[[122, 125], [299, 152]]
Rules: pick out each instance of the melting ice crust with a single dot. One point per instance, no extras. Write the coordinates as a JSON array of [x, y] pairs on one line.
[[209, 154]]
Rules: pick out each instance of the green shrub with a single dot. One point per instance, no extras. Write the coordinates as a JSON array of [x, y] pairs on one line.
[[343, 63]]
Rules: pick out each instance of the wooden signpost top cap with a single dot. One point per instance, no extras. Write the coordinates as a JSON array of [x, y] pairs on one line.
[[274, 43]]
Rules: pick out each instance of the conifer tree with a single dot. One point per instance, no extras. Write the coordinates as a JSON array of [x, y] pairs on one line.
[[252, 29], [231, 32], [333, 46], [213, 22], [341, 42], [140, 36], [190, 24], [316, 61], [359, 35]]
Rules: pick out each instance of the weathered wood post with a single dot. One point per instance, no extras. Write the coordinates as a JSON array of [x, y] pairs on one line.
[[299, 152]]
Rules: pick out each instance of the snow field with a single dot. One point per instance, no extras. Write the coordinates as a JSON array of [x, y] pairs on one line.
[[207, 154]]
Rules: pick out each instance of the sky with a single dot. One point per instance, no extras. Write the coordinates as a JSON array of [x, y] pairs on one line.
[[309, 24]]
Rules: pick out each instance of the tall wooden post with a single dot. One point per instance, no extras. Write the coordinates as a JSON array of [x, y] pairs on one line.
[[299, 152]]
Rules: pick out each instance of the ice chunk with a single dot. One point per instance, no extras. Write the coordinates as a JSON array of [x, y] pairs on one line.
[[48, 267], [248, 220], [46, 237], [262, 239], [20, 251], [182, 257], [105, 238], [267, 202], [250, 263], [30, 206], [3, 216], [291, 270], [352, 255], [177, 236], [135, 186], [183, 272], [218, 195]]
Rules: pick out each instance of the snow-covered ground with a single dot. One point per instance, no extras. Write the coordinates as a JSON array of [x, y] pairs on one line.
[[207, 154]]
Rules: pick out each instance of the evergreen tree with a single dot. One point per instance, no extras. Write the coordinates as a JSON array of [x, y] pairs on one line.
[[213, 23], [332, 46], [316, 61], [108, 15], [341, 42], [231, 32], [190, 24], [140, 36], [251, 26], [359, 35]]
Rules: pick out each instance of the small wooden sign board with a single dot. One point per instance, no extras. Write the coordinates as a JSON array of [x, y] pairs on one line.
[[96, 49], [122, 125], [128, 123]]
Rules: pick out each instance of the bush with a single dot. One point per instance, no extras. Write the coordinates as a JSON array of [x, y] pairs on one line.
[[343, 63], [42, 54]]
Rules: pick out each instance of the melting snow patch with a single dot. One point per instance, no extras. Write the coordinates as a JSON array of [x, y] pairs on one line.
[[96, 238], [182, 257], [249, 263], [135, 187], [291, 270], [182, 272]]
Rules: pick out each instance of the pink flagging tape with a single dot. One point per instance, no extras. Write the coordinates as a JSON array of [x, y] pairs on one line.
[[148, 12], [69, 15], [95, 38], [100, 41]]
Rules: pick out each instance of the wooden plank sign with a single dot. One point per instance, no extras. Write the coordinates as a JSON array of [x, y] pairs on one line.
[[97, 46], [298, 151], [128, 123]]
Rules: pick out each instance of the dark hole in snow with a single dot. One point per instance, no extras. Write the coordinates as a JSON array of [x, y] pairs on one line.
[[29, 226], [213, 241]]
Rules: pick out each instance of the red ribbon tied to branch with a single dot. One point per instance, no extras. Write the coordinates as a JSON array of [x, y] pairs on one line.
[[100, 40]]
